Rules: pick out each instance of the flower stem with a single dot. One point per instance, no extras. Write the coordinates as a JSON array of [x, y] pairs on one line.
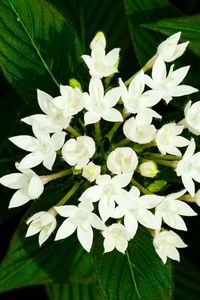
[[73, 131], [168, 163], [187, 198], [113, 130], [69, 194], [97, 131], [162, 156], [140, 187], [123, 142], [47, 178]]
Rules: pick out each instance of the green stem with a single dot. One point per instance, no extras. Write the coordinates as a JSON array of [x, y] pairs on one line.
[[34, 45], [113, 130], [167, 163], [47, 178], [73, 131], [69, 194], [123, 142], [187, 198], [140, 187], [97, 131], [162, 156], [132, 275], [145, 68]]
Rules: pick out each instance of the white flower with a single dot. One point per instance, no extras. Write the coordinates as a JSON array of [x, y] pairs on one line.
[[115, 236], [135, 208], [170, 50], [28, 184], [165, 244], [139, 129], [122, 160], [170, 211], [79, 218], [135, 99], [192, 117], [71, 100], [106, 191], [99, 105], [43, 148], [189, 168], [148, 169], [99, 63], [44, 223], [53, 120], [168, 85], [77, 152], [91, 171], [168, 139]]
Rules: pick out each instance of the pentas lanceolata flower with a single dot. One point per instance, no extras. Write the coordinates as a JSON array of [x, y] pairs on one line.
[[109, 138]]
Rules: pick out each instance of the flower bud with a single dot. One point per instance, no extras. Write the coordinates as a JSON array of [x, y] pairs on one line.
[[148, 169], [157, 186], [98, 41], [91, 171], [74, 83]]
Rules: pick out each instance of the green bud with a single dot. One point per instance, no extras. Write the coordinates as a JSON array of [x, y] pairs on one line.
[[75, 83], [157, 186]]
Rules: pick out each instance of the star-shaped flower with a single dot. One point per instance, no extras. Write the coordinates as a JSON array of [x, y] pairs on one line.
[[99, 105], [28, 184], [192, 117], [165, 243], [171, 209], [168, 85], [99, 63], [42, 147], [79, 218], [168, 139], [53, 118]]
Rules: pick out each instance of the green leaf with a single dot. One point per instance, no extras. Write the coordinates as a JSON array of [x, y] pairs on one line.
[[55, 262], [138, 275], [72, 292], [187, 281], [189, 26], [145, 43], [38, 47]]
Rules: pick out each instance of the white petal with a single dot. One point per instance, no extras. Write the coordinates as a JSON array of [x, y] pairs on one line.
[[31, 160], [131, 224], [183, 90], [13, 181], [147, 219], [122, 180], [92, 193], [43, 100], [108, 244], [159, 70], [112, 57], [184, 209], [49, 160], [91, 117], [173, 253], [112, 115], [25, 142], [105, 208], [96, 88], [19, 198], [65, 230], [150, 201], [66, 210], [137, 85], [58, 140], [44, 234], [112, 96], [179, 75], [188, 184], [36, 187], [96, 222], [32, 230], [85, 237]]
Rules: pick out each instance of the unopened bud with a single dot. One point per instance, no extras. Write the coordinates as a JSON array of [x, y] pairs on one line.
[[157, 186], [148, 169], [98, 41], [75, 83]]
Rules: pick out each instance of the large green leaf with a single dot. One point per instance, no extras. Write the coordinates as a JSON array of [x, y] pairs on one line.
[[146, 11], [138, 275], [72, 292], [38, 47], [55, 262], [189, 26]]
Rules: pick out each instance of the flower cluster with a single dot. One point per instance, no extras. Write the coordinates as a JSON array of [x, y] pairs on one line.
[[77, 126]]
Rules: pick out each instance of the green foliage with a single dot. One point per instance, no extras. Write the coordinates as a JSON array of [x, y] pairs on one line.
[[139, 274], [39, 48]]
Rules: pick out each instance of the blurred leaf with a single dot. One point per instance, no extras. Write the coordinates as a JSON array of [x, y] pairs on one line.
[[145, 43], [72, 292], [187, 281], [37, 46], [55, 262], [189, 26], [120, 275]]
